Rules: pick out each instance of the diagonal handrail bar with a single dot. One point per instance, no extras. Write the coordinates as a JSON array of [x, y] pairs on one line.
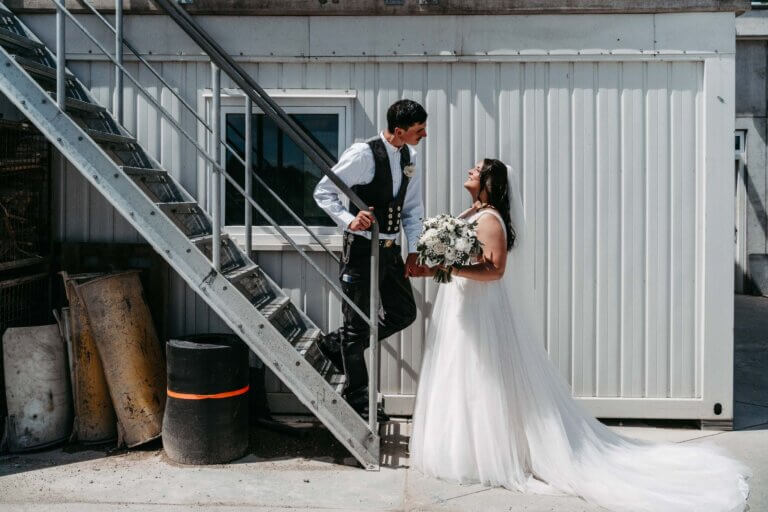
[[222, 140], [227, 64], [146, 63], [215, 164]]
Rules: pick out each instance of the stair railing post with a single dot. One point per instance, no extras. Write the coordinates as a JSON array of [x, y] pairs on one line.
[[215, 174], [61, 99], [248, 175], [61, 64], [118, 107], [373, 357]]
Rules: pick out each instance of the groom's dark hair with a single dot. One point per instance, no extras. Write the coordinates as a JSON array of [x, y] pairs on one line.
[[404, 114]]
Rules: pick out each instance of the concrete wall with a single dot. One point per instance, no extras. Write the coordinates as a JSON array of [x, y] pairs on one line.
[[406, 7], [752, 116]]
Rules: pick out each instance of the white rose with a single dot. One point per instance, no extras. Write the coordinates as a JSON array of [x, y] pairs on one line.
[[439, 247], [463, 245], [430, 233]]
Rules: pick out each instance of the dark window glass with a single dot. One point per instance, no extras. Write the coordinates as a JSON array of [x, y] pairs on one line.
[[282, 166]]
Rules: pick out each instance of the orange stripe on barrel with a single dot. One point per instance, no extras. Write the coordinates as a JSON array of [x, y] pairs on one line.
[[191, 396]]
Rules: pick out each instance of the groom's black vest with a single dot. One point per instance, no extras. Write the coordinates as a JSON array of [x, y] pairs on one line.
[[378, 193]]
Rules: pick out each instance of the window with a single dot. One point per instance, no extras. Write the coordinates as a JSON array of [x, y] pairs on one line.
[[282, 166]]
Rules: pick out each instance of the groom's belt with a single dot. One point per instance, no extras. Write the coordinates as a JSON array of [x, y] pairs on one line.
[[358, 240]]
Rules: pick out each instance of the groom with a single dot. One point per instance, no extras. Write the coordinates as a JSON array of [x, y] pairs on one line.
[[381, 171]]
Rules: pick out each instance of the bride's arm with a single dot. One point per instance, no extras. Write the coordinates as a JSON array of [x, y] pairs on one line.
[[491, 234]]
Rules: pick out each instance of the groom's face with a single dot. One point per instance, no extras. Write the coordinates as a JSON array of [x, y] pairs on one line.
[[413, 134]]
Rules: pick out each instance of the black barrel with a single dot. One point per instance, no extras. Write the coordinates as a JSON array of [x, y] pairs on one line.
[[206, 414]]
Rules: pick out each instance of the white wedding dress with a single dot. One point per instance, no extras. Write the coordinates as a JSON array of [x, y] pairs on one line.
[[491, 408]]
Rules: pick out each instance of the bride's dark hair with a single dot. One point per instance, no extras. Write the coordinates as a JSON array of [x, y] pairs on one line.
[[493, 179]]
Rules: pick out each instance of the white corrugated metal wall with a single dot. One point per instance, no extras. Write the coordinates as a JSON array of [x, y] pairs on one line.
[[624, 155]]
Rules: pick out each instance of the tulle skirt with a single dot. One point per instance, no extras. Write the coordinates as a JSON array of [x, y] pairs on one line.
[[491, 408]]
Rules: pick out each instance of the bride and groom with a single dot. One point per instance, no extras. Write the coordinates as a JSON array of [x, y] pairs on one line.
[[490, 407]]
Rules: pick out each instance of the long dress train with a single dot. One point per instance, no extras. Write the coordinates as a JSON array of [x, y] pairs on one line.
[[491, 408]]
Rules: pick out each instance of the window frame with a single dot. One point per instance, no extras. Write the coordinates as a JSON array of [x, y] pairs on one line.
[[303, 101]]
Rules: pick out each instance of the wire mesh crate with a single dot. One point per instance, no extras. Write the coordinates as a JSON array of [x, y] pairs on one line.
[[24, 193], [24, 301]]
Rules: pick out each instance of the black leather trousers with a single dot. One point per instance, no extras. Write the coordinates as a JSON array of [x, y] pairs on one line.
[[397, 311]]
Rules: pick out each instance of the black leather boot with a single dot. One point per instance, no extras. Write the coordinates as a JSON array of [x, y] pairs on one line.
[[330, 347], [358, 399]]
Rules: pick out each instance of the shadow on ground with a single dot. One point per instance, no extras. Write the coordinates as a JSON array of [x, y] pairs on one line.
[[750, 390]]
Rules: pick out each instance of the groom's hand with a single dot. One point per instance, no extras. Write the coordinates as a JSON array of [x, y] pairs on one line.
[[362, 221], [412, 269]]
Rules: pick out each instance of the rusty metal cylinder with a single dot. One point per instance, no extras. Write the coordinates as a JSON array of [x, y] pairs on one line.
[[95, 419], [130, 353], [37, 387]]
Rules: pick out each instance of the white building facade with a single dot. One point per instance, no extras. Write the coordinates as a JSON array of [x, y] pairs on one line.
[[621, 126]]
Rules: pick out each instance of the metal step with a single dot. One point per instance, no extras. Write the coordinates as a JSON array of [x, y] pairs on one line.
[[282, 314], [253, 285], [273, 308], [35, 68], [307, 338], [76, 106], [156, 184], [110, 138], [188, 217], [9, 37], [231, 257], [308, 349]]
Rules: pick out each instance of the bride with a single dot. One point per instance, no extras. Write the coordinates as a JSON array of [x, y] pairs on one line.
[[490, 408]]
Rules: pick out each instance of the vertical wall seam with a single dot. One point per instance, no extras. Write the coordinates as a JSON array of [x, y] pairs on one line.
[[598, 308], [622, 257]]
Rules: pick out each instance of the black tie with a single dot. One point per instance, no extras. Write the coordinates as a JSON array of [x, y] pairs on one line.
[[405, 156]]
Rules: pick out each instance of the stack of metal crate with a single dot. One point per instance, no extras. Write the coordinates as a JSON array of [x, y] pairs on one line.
[[25, 231]]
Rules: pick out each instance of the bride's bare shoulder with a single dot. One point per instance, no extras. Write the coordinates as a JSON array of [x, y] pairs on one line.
[[490, 225], [466, 212]]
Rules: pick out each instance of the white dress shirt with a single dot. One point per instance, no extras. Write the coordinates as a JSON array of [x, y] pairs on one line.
[[357, 167]]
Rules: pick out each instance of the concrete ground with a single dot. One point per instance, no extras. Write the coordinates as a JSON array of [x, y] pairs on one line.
[[310, 471]]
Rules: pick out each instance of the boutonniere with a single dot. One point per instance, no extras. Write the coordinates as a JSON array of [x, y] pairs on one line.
[[408, 170]]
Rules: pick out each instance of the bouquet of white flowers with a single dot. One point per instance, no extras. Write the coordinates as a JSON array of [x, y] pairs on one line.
[[449, 242]]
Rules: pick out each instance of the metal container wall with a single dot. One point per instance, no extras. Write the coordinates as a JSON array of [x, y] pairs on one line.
[[95, 419], [130, 353], [37, 387], [621, 127]]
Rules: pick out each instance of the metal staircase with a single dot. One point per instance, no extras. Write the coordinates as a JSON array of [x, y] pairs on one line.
[[179, 229]]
